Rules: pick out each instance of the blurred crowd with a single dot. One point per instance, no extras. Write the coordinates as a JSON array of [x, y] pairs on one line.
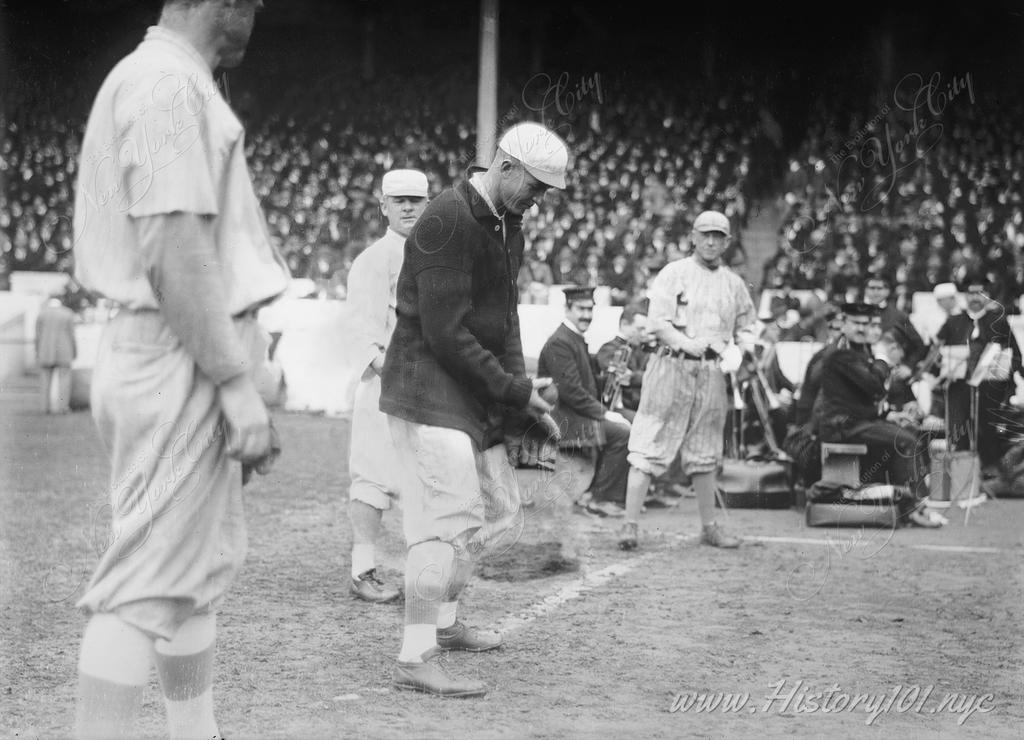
[[644, 167], [920, 195], [870, 190]]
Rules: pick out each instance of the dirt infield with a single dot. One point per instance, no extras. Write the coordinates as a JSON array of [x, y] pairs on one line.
[[800, 633]]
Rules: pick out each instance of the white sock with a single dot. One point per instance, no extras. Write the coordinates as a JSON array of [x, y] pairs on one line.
[[113, 667], [416, 640], [446, 614], [363, 559], [192, 718]]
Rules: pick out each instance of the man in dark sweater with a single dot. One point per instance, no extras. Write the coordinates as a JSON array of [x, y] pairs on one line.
[[455, 388], [854, 384]]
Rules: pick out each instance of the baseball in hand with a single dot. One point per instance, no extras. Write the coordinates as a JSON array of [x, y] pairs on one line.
[[549, 394]]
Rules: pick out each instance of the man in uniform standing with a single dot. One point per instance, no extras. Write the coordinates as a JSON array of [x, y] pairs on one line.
[[168, 227], [55, 351], [371, 299], [699, 309], [455, 386]]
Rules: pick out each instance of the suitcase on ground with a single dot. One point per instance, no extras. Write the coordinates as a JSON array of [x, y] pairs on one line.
[[833, 504], [756, 483]]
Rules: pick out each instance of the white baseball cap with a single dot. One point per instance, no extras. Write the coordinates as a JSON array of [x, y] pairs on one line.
[[404, 182], [712, 221], [542, 152], [944, 290]]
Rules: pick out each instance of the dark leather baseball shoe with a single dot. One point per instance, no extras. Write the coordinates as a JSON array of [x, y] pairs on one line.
[[461, 637], [628, 536], [369, 587], [433, 676]]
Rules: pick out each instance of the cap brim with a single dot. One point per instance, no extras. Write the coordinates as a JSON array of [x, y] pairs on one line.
[[550, 179], [718, 229]]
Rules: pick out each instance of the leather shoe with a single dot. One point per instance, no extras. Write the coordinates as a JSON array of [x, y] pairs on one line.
[[369, 587], [714, 535], [657, 502], [461, 637], [628, 536], [606, 508], [433, 676]]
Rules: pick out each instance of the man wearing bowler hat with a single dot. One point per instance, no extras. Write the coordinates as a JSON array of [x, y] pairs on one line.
[[461, 406], [703, 317]]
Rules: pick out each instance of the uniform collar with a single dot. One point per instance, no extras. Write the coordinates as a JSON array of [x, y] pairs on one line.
[[160, 34], [478, 206]]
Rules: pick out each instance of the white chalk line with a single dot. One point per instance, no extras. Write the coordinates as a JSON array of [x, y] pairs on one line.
[[568, 592], [937, 548], [576, 588]]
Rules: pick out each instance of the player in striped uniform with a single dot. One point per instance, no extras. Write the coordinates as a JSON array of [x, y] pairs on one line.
[[699, 309]]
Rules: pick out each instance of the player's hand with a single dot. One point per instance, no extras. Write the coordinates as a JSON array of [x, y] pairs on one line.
[[246, 419], [378, 364], [616, 418], [541, 403], [538, 404], [693, 346]]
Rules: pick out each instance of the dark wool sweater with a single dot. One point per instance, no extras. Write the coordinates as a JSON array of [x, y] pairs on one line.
[[455, 358]]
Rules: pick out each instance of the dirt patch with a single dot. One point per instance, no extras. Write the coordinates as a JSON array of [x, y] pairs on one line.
[[527, 562], [621, 648]]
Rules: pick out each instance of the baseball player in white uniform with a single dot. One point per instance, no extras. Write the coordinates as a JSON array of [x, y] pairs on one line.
[[168, 227], [371, 298], [702, 315]]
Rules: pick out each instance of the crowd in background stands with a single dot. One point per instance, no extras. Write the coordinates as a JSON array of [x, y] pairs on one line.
[[868, 193], [644, 166], [643, 169]]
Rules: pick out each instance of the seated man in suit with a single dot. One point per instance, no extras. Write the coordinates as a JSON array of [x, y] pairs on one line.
[[583, 419], [854, 385]]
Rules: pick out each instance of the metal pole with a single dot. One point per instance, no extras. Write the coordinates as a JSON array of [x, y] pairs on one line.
[[487, 88]]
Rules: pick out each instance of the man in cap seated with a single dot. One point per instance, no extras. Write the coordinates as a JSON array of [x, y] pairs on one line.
[[854, 385], [584, 421]]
